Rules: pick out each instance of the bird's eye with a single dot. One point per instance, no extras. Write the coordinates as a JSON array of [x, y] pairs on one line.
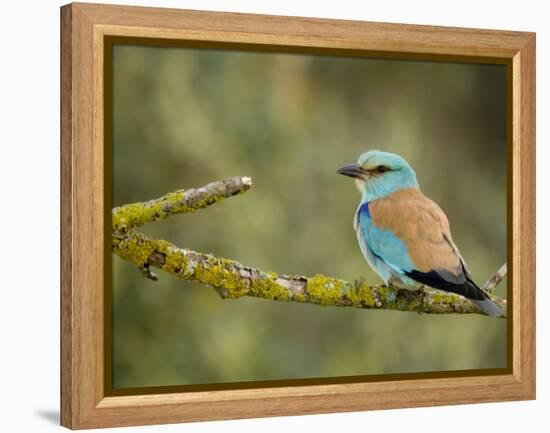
[[381, 169]]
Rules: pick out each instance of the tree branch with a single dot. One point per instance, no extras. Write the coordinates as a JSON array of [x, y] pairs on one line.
[[133, 215], [234, 280], [495, 280]]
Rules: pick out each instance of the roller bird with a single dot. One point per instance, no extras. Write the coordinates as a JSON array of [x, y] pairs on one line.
[[403, 235]]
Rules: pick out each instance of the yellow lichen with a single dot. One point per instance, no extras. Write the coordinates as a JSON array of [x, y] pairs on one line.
[[134, 249], [361, 296], [324, 290], [266, 286], [441, 298], [299, 297], [137, 214], [218, 273], [173, 198], [205, 202], [176, 262]]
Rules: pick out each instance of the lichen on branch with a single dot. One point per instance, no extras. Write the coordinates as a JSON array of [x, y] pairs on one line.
[[133, 215], [233, 280]]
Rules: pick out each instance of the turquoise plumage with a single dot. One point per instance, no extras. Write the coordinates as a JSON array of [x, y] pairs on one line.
[[404, 236], [375, 244]]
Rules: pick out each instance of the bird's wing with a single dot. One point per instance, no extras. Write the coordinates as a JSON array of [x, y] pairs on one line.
[[411, 233]]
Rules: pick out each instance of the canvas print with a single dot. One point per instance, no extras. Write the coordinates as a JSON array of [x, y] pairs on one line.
[[283, 216]]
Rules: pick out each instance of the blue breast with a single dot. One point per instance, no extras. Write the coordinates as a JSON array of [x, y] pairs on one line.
[[382, 244], [364, 210]]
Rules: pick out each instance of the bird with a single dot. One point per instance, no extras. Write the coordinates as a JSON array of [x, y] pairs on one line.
[[404, 236]]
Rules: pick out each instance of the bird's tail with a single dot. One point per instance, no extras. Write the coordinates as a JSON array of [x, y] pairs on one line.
[[488, 306]]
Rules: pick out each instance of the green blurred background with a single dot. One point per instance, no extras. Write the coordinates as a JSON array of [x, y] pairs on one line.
[[186, 117]]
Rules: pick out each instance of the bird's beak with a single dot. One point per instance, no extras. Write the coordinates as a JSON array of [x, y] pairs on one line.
[[352, 170]]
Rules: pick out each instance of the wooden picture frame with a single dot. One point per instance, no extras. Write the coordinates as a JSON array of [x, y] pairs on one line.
[[84, 230]]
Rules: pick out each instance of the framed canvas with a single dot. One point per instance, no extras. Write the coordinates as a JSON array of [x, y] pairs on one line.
[[230, 311]]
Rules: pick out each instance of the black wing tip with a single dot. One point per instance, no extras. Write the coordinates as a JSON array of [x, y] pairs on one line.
[[468, 289], [435, 279]]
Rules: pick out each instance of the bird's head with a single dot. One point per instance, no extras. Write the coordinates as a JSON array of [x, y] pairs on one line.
[[378, 174]]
